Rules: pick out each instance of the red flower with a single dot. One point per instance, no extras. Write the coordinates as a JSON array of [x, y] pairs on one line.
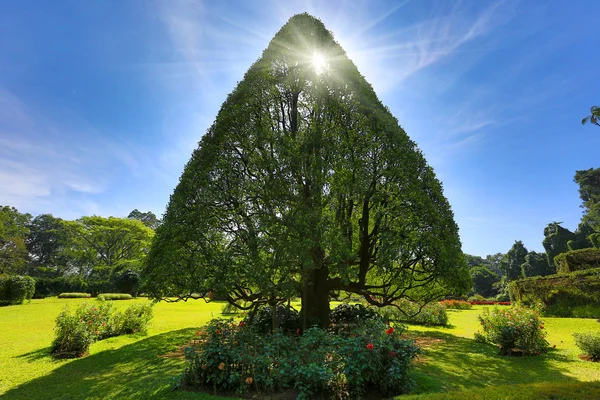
[[392, 353], [298, 331], [370, 346], [242, 323], [389, 330]]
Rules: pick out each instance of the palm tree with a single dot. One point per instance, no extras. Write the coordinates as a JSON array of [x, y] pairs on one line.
[[594, 118]]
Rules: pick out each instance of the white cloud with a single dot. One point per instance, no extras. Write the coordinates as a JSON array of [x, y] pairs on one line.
[[47, 165]]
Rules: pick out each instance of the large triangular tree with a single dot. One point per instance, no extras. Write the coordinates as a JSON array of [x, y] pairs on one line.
[[305, 185]]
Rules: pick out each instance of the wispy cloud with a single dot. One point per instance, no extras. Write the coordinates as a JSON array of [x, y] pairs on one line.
[[43, 161]]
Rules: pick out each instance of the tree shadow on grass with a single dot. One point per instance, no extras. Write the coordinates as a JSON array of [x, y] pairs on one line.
[[134, 371], [36, 355], [455, 363]]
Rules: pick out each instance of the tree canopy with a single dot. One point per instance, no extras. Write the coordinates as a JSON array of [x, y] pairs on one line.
[[306, 185], [594, 117]]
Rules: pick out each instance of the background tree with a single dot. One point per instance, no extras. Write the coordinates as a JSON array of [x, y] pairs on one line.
[[537, 264], [556, 239], [306, 184], [103, 248], [48, 245], [594, 116], [512, 261], [13, 231], [147, 218], [484, 281], [589, 191]]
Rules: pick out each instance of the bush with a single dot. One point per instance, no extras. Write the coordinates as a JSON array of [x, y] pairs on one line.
[[319, 363], [348, 315], [456, 304], [74, 296], [577, 260], [114, 296], [89, 323], [72, 336], [133, 320], [45, 287], [261, 319], [414, 313], [516, 328], [576, 294], [15, 289], [589, 343]]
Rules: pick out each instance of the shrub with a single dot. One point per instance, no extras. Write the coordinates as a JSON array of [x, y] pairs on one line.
[[72, 336], [114, 296], [414, 313], [74, 295], [576, 294], [349, 315], [89, 323], [319, 363], [456, 304], [133, 320], [589, 343], [15, 289], [261, 319], [576, 260], [514, 328], [45, 287]]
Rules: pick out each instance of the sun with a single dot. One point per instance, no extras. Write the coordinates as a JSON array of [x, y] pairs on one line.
[[319, 63]]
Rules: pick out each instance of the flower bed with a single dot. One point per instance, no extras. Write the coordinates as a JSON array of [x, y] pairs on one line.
[[489, 303], [318, 363]]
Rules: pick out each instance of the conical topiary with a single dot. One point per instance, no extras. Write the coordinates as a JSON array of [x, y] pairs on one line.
[[305, 185]]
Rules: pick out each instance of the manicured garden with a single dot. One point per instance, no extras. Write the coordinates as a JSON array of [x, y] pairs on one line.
[[139, 367]]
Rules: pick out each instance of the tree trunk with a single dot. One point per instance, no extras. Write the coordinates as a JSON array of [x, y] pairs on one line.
[[315, 299]]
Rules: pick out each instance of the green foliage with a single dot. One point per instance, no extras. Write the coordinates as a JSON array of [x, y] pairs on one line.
[[147, 218], [48, 244], [456, 304], [512, 261], [128, 281], [306, 184], [13, 231], [45, 287], [318, 363], [556, 239], [564, 295], [484, 280], [74, 295], [589, 343], [74, 332], [577, 260], [114, 296], [415, 313], [352, 314], [594, 117], [536, 264], [134, 319], [288, 319], [515, 328], [15, 289], [72, 338]]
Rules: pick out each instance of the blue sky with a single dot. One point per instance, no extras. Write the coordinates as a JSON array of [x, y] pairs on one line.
[[102, 102]]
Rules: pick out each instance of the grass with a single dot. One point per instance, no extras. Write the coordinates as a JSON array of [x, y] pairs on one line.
[[452, 366]]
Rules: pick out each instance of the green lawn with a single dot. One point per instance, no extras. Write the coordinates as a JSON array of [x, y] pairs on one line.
[[132, 367]]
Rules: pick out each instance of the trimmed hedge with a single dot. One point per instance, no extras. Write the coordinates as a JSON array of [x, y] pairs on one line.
[[74, 296], [577, 260], [46, 287], [15, 289], [576, 294], [114, 296]]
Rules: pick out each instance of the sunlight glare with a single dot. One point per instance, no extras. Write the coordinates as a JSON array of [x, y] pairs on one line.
[[319, 63]]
